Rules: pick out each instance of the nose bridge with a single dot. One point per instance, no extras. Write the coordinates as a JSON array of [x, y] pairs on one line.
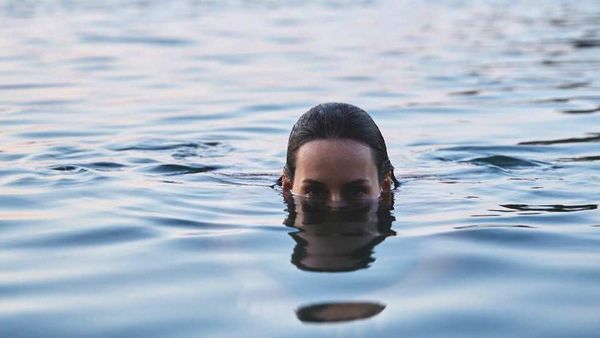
[[335, 198]]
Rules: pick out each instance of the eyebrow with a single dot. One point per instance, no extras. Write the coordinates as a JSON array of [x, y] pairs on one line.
[[355, 182]]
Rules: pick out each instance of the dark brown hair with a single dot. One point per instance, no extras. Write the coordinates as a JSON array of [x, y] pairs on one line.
[[338, 121]]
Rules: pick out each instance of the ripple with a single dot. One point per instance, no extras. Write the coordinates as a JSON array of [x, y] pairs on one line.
[[573, 85], [67, 168], [586, 43], [180, 169], [504, 162], [185, 223], [104, 165], [143, 40], [248, 179], [100, 166], [479, 226], [466, 92], [24, 86], [162, 145], [523, 237], [580, 159], [594, 138], [355, 78], [550, 207], [582, 111], [107, 235]]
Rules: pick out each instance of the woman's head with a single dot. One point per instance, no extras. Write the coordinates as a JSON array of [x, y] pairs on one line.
[[336, 152]]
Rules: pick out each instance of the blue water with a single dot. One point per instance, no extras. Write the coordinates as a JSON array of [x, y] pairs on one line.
[[139, 142]]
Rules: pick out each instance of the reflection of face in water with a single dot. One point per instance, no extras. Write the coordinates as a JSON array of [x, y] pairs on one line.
[[340, 239]]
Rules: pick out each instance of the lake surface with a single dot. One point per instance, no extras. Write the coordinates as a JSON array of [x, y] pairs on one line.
[[140, 140]]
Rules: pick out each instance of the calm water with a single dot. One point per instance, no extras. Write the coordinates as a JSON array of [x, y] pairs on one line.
[[139, 142]]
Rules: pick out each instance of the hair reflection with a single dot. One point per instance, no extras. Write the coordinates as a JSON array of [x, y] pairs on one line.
[[338, 312], [337, 240]]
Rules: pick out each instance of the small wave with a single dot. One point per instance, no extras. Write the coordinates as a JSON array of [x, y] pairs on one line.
[[172, 222], [594, 138], [480, 226], [580, 159], [492, 149], [105, 165], [550, 207], [67, 168], [24, 86], [161, 145], [582, 111], [466, 92], [101, 166], [143, 40], [180, 169], [586, 43], [504, 162], [248, 179], [573, 85], [89, 237], [355, 78]]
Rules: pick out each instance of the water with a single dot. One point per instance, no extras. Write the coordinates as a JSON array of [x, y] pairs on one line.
[[139, 142]]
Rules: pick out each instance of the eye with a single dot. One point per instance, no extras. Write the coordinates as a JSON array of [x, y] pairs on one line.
[[357, 193], [315, 192]]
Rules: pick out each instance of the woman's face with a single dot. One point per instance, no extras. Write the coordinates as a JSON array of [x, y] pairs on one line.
[[337, 172]]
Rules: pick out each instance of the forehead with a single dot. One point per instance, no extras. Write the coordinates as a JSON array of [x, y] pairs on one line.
[[337, 159]]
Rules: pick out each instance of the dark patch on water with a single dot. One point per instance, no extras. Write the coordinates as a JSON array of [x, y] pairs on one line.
[[68, 168], [466, 92], [574, 85], [104, 165], [582, 111], [180, 169], [580, 159], [586, 43], [550, 207], [479, 226], [594, 138], [504, 162]]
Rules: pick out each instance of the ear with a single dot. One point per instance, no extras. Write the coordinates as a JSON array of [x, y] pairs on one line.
[[286, 183], [387, 183]]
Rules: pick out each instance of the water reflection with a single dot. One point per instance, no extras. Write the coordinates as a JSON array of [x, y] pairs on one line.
[[338, 312], [337, 240]]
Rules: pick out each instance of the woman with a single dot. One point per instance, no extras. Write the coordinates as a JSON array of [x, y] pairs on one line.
[[336, 156]]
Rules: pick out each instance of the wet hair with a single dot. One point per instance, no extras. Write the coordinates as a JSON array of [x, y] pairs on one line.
[[338, 121]]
